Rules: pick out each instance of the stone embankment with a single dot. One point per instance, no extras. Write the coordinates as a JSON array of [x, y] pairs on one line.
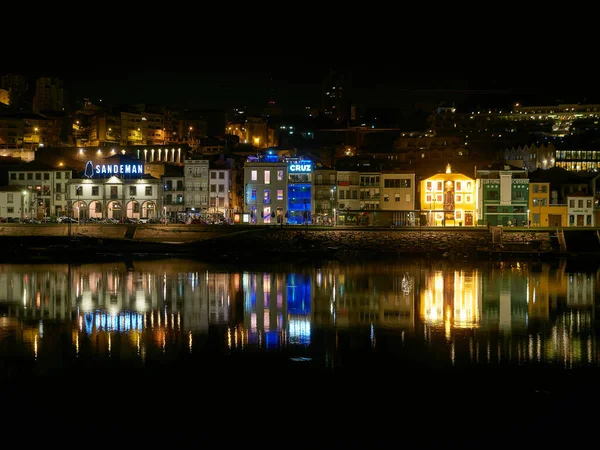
[[256, 242]]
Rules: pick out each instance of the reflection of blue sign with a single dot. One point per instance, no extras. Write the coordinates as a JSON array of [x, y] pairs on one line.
[[117, 169], [300, 167]]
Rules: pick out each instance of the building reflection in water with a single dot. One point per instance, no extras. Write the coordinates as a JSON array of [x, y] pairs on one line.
[[460, 313]]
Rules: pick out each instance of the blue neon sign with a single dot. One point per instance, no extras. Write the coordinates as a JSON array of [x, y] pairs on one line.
[[300, 167]]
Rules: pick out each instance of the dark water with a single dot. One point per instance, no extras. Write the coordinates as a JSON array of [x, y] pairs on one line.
[[419, 353]]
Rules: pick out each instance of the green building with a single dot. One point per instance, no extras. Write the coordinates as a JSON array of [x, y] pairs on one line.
[[503, 196]]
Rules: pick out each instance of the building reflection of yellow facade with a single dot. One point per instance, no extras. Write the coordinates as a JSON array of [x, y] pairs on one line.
[[452, 302]]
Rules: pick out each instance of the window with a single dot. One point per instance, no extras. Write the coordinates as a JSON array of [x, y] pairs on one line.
[[518, 194], [544, 189], [114, 191], [9, 198], [407, 198], [21, 176], [458, 198], [280, 175], [67, 175], [180, 199], [58, 175], [58, 197], [149, 190], [588, 220], [459, 186], [79, 190], [468, 198], [386, 198], [580, 203], [440, 186], [213, 188], [98, 207], [536, 201], [571, 203], [543, 202], [38, 176], [342, 194], [253, 195], [267, 197], [397, 197], [221, 188], [221, 202], [267, 177], [535, 189], [10, 210], [180, 185], [571, 219], [13, 176], [30, 176], [492, 209], [429, 186], [254, 175], [95, 191], [279, 194], [136, 207], [221, 175], [132, 190], [169, 199], [492, 195], [213, 175], [589, 204]]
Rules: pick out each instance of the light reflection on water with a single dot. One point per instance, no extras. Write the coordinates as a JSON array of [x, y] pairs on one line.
[[434, 312]]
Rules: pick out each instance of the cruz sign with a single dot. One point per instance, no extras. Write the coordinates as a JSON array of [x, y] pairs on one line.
[[301, 167]]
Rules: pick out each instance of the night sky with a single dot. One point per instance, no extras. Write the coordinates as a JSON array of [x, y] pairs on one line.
[[297, 84]]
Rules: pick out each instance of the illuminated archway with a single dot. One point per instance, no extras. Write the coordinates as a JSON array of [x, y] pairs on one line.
[[133, 210], [114, 211], [149, 210], [95, 210], [80, 210]]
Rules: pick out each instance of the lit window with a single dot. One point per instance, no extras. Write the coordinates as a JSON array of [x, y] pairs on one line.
[[254, 175], [279, 194], [267, 177]]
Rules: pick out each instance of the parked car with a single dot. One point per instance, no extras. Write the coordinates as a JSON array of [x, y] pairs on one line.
[[143, 220], [66, 219]]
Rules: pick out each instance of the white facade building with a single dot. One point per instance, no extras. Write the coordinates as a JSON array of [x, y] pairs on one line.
[[49, 183], [220, 193], [17, 203], [580, 211]]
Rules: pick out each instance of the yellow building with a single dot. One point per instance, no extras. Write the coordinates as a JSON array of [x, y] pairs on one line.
[[449, 199], [541, 213]]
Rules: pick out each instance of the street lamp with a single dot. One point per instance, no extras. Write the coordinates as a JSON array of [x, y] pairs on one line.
[[78, 211]]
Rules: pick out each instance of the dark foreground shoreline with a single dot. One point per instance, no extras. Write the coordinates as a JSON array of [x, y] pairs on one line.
[[234, 249]]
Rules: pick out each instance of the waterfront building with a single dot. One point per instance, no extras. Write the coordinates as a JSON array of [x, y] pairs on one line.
[[196, 175], [173, 193], [299, 190], [115, 188], [543, 212], [49, 184], [449, 199], [580, 210], [325, 194], [266, 191], [18, 202], [398, 195], [220, 194], [502, 196], [348, 197]]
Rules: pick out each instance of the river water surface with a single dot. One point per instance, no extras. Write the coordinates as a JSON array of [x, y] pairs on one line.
[[421, 353]]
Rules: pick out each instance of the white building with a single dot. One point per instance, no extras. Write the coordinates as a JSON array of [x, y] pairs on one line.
[[17, 203], [173, 192], [220, 193], [115, 188], [580, 210], [265, 192], [49, 183]]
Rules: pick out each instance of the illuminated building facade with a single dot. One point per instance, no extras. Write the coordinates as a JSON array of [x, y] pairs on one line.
[[299, 187], [503, 196], [114, 188], [325, 194], [541, 212], [265, 191], [449, 199], [580, 210], [196, 177], [49, 184]]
